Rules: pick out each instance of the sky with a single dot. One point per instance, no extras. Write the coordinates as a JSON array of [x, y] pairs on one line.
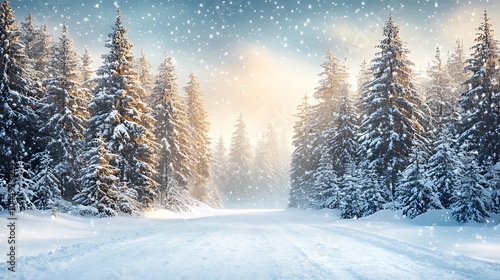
[[260, 57]]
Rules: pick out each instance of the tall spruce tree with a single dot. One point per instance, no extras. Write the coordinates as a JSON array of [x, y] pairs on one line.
[[219, 172], [99, 194], [37, 46], [21, 187], [240, 184], [174, 170], [332, 87], [143, 68], [493, 177], [64, 113], [301, 165], [339, 151], [266, 174], [442, 166], [200, 143], [46, 188], [118, 112], [455, 66], [471, 200], [479, 128], [392, 118], [87, 75], [416, 193], [440, 97], [352, 200], [18, 121], [365, 75]]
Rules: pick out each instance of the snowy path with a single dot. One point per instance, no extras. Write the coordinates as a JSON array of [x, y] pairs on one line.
[[248, 245]]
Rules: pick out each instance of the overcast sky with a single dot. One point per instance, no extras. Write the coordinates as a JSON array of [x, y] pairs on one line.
[[259, 58]]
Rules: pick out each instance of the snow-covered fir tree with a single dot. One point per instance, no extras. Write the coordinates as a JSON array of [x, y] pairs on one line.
[[492, 176], [301, 166], [339, 150], [352, 200], [342, 145], [283, 172], [200, 144], [219, 166], [18, 124], [480, 104], [118, 112], [332, 86], [456, 69], [87, 74], [391, 117], [37, 47], [46, 187], [267, 189], [143, 68], [325, 186], [440, 95], [64, 113], [455, 66], [416, 192], [173, 170], [20, 190], [372, 192], [365, 75], [240, 180], [442, 166], [471, 200], [99, 192]]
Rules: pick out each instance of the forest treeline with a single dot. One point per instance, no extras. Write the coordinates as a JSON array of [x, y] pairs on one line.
[[401, 141], [96, 142], [118, 139]]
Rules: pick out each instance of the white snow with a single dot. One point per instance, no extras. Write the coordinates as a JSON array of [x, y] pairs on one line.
[[253, 244]]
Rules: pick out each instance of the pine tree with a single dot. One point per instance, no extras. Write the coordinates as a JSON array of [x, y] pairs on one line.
[[99, 183], [37, 45], [64, 111], [342, 145], [46, 188], [493, 178], [352, 200], [87, 74], [326, 191], [440, 94], [283, 169], [455, 66], [200, 143], [301, 165], [18, 124], [339, 150], [480, 104], [219, 172], [118, 112], [416, 193], [372, 192], [143, 68], [365, 75], [267, 191], [169, 112], [442, 167], [21, 187], [471, 199], [332, 87], [240, 187], [391, 114]]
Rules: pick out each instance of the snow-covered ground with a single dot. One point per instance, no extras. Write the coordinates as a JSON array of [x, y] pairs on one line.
[[252, 244]]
